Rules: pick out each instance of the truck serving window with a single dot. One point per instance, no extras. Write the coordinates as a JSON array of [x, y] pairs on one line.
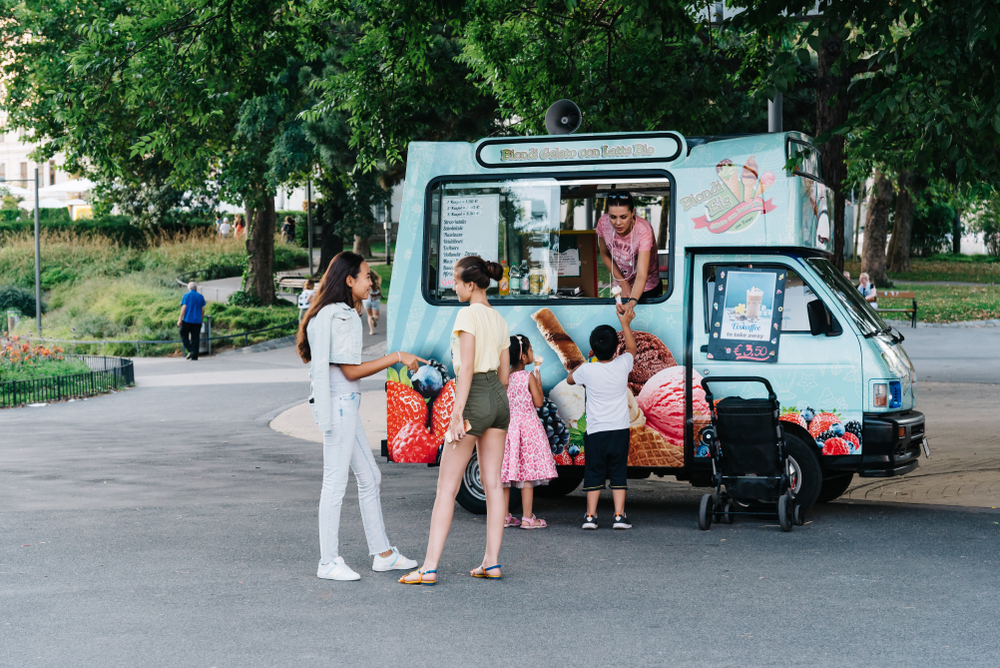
[[542, 228]]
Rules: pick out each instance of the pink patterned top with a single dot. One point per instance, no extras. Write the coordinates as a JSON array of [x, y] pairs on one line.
[[625, 249]]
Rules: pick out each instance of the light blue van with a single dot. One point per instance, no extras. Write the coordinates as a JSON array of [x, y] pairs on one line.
[[748, 289]]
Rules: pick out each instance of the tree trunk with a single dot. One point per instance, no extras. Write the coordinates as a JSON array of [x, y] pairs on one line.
[[898, 255], [876, 227], [832, 106], [260, 252], [331, 243], [956, 233], [362, 246]]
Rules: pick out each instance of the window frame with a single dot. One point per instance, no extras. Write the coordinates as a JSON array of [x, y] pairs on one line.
[[762, 265], [618, 175], [796, 171]]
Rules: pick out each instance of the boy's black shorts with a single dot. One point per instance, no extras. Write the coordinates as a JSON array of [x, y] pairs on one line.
[[605, 458]]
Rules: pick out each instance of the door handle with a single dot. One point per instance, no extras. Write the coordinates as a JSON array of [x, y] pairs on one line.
[[704, 348]]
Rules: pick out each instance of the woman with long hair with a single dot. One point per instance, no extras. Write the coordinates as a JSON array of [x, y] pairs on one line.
[[480, 355], [329, 338]]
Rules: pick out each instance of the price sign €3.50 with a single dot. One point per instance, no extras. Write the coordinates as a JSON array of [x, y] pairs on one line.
[[746, 314]]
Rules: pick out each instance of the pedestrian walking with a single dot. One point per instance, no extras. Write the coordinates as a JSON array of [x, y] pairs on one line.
[[527, 457], [329, 339], [288, 230], [305, 297], [480, 356], [192, 311], [239, 231], [373, 303], [225, 228]]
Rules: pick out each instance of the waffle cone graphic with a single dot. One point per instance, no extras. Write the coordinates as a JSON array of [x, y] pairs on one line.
[[647, 447]]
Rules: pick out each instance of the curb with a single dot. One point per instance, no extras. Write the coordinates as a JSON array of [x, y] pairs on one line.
[[967, 324]]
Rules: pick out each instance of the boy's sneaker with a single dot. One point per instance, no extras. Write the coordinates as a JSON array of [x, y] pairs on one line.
[[590, 521], [336, 570], [621, 522], [395, 561]]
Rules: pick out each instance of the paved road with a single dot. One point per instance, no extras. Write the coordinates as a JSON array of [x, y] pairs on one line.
[[168, 525]]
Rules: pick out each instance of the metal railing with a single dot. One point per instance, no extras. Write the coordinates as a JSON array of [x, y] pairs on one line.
[[142, 342], [106, 374]]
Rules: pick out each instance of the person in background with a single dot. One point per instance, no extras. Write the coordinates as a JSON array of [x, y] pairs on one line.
[[480, 352], [628, 250], [288, 230], [847, 275], [867, 290], [305, 297], [371, 305], [218, 221], [192, 311], [329, 340], [225, 228], [240, 230]]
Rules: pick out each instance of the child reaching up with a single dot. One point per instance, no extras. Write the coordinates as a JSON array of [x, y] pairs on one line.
[[527, 457]]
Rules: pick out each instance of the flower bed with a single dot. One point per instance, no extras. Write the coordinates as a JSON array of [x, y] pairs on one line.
[[33, 373]]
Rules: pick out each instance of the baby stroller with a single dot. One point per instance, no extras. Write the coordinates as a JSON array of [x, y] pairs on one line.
[[749, 459]]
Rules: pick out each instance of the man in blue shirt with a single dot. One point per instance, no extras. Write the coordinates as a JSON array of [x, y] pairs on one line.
[[192, 309]]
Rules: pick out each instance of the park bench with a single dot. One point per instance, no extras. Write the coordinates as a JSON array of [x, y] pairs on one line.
[[897, 294], [291, 283]]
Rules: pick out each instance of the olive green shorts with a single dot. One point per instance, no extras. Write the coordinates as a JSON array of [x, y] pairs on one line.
[[487, 406]]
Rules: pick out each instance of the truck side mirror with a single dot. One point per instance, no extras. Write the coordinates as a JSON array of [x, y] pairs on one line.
[[821, 320]]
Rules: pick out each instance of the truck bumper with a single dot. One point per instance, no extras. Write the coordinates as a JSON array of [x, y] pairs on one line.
[[892, 443]]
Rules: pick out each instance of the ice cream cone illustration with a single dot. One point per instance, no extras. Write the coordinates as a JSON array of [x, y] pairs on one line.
[[727, 171], [648, 447], [766, 181], [549, 327], [750, 176]]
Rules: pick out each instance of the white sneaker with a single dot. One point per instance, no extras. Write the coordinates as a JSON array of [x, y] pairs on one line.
[[336, 570], [394, 562]]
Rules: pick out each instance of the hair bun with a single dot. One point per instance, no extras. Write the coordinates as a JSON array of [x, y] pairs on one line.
[[494, 270]]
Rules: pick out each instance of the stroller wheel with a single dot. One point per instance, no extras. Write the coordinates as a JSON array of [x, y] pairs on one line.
[[798, 515], [706, 509], [785, 512], [727, 513]]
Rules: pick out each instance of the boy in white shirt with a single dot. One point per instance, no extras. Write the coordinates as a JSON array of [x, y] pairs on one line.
[[607, 438]]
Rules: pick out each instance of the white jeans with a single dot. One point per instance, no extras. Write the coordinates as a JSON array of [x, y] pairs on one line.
[[346, 447]]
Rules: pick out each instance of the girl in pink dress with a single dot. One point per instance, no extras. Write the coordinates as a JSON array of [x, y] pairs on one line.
[[527, 457]]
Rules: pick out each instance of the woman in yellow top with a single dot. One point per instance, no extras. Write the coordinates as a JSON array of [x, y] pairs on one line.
[[479, 353]]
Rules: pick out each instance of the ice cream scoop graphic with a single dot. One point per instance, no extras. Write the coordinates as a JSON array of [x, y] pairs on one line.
[[570, 401], [662, 402], [616, 292], [427, 381]]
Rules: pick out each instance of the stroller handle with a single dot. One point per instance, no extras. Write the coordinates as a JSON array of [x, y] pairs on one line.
[[739, 379]]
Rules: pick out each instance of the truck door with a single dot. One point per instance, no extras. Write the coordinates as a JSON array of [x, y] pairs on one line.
[[817, 378]]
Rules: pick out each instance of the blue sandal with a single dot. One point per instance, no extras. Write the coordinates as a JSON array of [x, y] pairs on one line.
[[485, 572], [419, 580]]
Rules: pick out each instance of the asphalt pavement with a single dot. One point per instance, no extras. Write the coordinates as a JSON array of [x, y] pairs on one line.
[[170, 525]]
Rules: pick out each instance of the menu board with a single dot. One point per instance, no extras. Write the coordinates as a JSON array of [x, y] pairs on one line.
[[469, 226], [746, 314]]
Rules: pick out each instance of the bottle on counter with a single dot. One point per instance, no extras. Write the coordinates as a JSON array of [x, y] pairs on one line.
[[505, 279], [515, 280], [525, 280]]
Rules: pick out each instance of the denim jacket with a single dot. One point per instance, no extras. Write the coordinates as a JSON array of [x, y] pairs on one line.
[[334, 338]]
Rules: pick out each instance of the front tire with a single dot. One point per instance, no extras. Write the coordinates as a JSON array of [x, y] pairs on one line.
[[834, 486], [804, 472]]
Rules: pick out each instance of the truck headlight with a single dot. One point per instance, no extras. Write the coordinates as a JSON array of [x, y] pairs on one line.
[[881, 395]]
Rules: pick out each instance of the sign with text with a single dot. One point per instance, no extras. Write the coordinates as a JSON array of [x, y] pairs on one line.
[[658, 147], [746, 314], [469, 226]]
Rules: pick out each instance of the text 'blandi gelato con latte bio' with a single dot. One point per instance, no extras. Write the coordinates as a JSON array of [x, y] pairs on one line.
[[556, 153]]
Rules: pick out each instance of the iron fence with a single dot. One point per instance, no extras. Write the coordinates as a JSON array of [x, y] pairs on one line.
[[106, 374]]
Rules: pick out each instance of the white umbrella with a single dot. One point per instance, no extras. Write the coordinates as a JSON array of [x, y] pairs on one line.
[[47, 203], [76, 202], [74, 186], [16, 191]]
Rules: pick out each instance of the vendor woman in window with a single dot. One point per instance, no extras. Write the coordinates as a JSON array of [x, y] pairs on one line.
[[628, 249]]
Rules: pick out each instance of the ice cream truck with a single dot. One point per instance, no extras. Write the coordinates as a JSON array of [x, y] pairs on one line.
[[749, 289]]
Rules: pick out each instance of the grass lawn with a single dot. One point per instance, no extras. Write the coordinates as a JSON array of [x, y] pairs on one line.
[[960, 268], [947, 303]]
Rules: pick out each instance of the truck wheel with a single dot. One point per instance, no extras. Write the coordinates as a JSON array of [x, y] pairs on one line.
[[471, 495], [834, 486], [569, 479], [804, 472]]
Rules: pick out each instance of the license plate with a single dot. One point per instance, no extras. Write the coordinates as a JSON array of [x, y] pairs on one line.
[[926, 447]]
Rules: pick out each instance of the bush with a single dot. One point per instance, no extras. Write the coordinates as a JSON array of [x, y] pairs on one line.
[[13, 297], [987, 223], [932, 229]]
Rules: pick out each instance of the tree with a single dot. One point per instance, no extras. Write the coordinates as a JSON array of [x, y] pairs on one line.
[[876, 229]]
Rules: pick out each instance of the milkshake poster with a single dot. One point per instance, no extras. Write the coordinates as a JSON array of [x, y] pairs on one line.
[[746, 314]]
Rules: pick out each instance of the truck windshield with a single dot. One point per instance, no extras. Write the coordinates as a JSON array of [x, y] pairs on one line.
[[864, 315]]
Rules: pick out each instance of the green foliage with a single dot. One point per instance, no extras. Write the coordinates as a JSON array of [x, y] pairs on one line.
[[45, 369], [932, 229], [19, 299], [987, 223], [242, 298]]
